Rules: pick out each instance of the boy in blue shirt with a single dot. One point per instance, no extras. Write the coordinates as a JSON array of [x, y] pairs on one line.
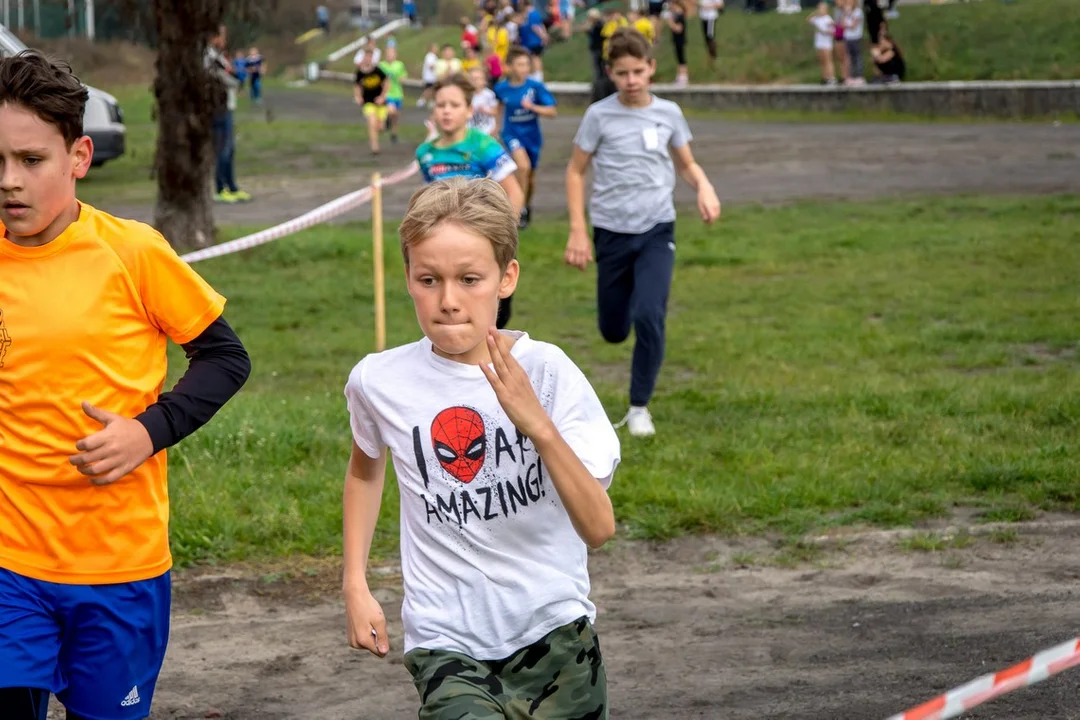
[[533, 37], [523, 101], [462, 151]]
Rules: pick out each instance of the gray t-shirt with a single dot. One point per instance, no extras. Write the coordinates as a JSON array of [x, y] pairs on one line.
[[633, 174]]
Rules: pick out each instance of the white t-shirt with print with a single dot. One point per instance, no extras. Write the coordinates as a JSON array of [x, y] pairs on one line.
[[823, 31], [490, 560], [853, 25], [483, 100], [427, 73], [710, 9]]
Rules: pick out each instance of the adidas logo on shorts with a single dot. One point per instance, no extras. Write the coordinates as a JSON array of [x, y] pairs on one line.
[[131, 699]]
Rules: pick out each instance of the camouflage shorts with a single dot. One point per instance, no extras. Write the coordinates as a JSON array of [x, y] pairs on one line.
[[559, 677]]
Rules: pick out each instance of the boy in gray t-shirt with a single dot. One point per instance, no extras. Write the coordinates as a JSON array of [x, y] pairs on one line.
[[635, 142]]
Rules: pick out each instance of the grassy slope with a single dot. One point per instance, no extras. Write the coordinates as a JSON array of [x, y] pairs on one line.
[[828, 364], [1033, 39]]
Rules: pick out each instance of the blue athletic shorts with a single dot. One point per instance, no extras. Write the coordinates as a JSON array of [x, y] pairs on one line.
[[394, 103], [98, 648], [513, 143]]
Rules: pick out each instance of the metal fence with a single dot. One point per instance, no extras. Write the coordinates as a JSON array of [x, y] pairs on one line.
[[91, 19]]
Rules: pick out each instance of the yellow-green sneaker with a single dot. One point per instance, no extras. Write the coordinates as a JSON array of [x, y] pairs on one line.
[[225, 197], [242, 196]]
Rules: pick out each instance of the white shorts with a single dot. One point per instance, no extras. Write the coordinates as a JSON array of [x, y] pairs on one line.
[[823, 43]]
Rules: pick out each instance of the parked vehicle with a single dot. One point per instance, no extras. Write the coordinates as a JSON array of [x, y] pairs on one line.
[[103, 120]]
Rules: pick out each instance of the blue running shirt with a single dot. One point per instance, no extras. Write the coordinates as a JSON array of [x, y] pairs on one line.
[[518, 123]]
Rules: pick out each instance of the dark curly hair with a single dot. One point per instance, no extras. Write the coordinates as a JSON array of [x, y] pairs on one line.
[[48, 89]]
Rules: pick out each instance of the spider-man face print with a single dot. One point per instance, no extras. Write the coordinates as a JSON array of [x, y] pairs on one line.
[[460, 442]]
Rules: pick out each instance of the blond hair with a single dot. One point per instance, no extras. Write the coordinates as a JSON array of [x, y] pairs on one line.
[[480, 206]]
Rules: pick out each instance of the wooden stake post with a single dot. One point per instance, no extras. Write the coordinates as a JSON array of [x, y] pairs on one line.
[[377, 259]]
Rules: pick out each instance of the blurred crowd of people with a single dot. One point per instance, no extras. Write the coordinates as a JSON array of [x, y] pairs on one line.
[[840, 33]]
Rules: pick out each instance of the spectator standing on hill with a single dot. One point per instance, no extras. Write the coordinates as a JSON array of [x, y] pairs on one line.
[[874, 19], [675, 17], [889, 63], [709, 11], [322, 18], [408, 9], [854, 20], [656, 15], [567, 11], [824, 28], [843, 64]]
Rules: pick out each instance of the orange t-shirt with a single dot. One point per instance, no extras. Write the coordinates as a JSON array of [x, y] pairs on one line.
[[87, 317]]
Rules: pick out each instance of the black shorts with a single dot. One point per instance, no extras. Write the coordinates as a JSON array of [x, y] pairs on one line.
[[536, 51], [656, 9]]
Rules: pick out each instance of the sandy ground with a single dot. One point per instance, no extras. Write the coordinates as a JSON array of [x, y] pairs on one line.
[[863, 630], [749, 162], [704, 627]]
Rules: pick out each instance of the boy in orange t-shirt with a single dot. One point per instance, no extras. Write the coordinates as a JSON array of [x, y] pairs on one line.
[[88, 303]]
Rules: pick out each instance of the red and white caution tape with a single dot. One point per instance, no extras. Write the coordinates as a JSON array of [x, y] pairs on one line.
[[317, 216], [1035, 669]]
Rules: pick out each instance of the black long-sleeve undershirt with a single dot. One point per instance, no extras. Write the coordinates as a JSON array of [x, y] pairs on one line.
[[218, 366]]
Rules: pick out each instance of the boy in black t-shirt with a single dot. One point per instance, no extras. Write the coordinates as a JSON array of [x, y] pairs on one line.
[[370, 94]]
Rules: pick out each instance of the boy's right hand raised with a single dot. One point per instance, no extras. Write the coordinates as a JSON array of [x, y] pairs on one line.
[[367, 623]]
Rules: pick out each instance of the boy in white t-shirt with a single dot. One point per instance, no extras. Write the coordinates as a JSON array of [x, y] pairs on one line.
[[484, 103], [503, 455], [429, 75]]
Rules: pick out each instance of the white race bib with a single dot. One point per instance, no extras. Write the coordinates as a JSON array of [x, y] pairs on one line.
[[651, 138]]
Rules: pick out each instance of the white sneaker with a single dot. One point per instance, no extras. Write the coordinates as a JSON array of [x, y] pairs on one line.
[[639, 422]]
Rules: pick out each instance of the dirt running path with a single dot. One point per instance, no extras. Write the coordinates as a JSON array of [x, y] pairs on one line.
[[858, 634], [749, 162]]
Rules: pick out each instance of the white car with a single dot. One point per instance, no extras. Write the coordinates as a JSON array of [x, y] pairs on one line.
[[103, 120]]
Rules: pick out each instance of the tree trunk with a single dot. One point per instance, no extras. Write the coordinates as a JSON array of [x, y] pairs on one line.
[[187, 98]]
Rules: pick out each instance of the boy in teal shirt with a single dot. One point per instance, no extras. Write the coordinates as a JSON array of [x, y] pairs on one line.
[[461, 151], [395, 94]]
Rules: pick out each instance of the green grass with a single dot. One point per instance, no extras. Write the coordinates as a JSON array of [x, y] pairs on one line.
[[828, 364], [271, 146], [932, 542], [1006, 536], [989, 40]]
